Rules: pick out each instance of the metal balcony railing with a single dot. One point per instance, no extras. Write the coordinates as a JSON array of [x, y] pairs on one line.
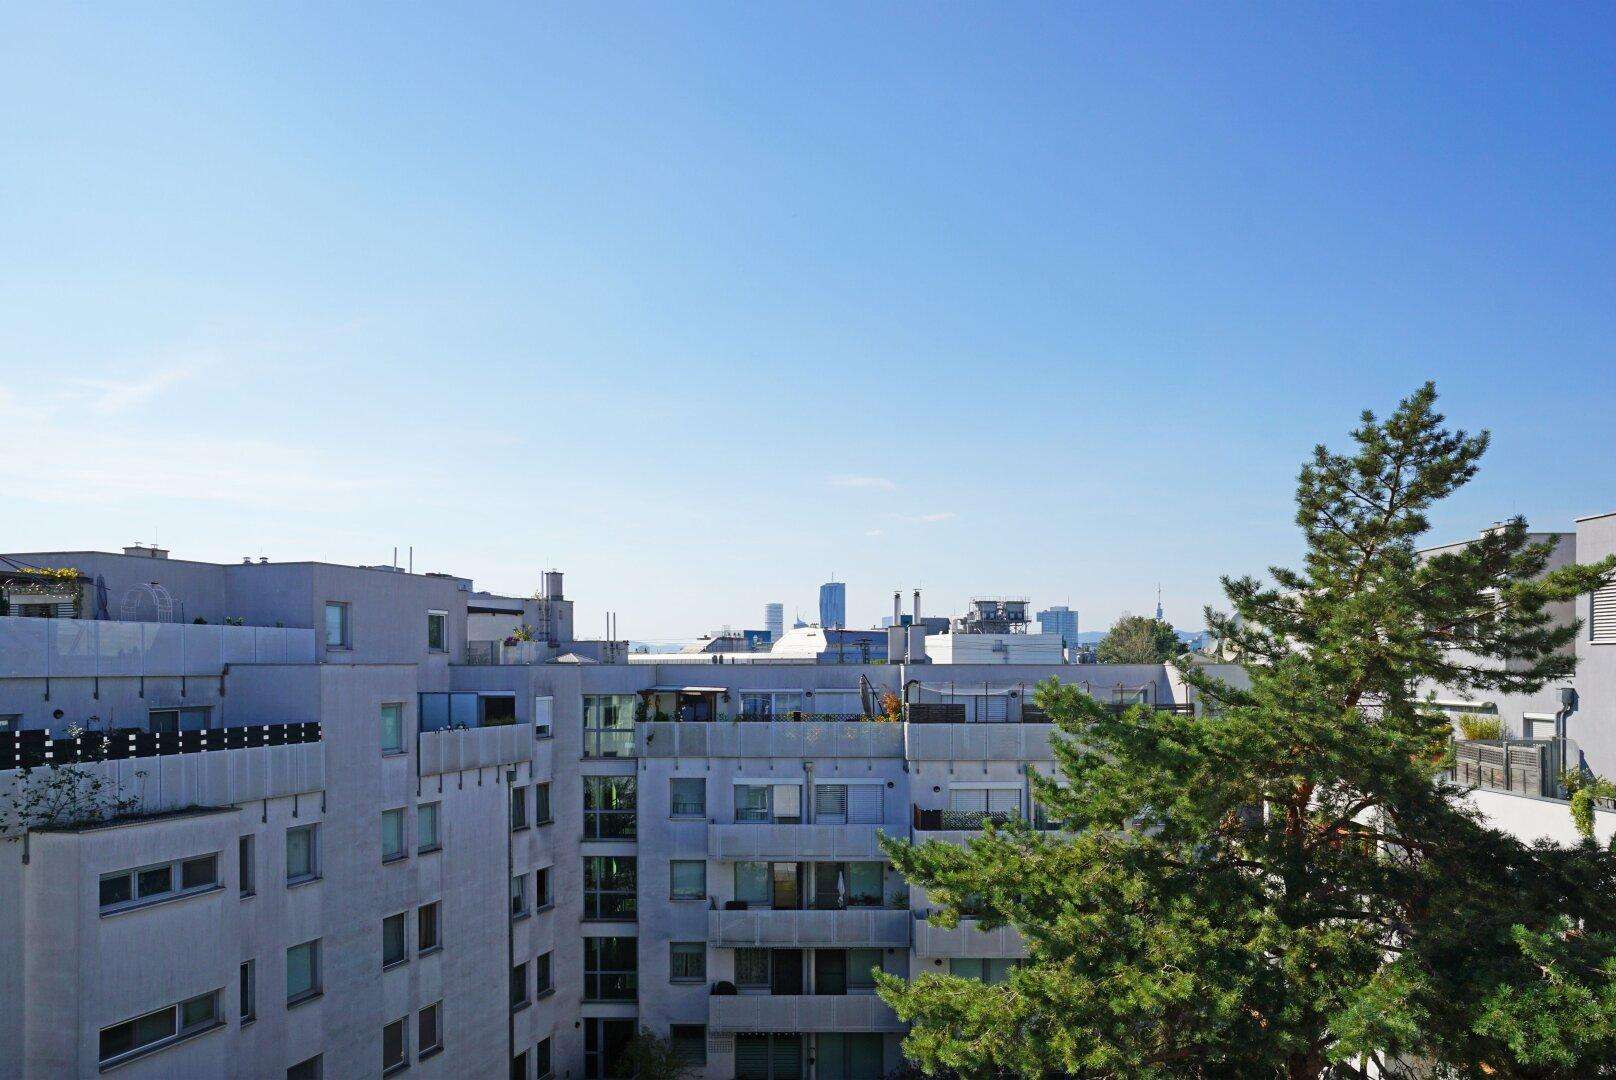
[[34, 749], [958, 820]]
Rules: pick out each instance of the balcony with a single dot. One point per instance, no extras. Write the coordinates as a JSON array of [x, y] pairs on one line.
[[965, 940], [977, 742], [958, 820], [850, 926], [87, 648], [805, 739], [801, 1012], [793, 843], [1524, 766], [474, 748]]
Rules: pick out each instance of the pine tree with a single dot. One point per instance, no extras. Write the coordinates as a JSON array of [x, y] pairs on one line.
[[1286, 884]]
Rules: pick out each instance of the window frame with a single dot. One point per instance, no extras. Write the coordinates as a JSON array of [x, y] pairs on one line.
[[425, 1049], [345, 627], [699, 1039], [401, 921], [247, 996], [402, 1024], [177, 890], [312, 830], [247, 865], [178, 1030], [544, 974], [316, 984], [396, 708], [403, 850], [441, 618], [673, 804], [434, 810], [611, 823], [435, 907], [618, 903], [673, 889], [697, 949], [518, 1003]]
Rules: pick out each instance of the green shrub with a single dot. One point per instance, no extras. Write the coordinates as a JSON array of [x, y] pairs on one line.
[[1482, 727]]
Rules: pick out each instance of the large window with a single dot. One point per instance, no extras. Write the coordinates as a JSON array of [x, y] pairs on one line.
[[769, 1057], [988, 970], [847, 804], [687, 961], [970, 807], [609, 887], [609, 807], [846, 971], [392, 724], [393, 835], [687, 796], [849, 1057], [611, 968], [338, 632], [687, 879], [765, 706], [302, 972], [159, 1028], [778, 803], [604, 1043], [302, 853], [778, 885], [843, 885], [609, 725], [172, 721], [164, 881]]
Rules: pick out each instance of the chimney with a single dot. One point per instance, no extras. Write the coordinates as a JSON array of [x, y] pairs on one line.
[[897, 607], [917, 607]]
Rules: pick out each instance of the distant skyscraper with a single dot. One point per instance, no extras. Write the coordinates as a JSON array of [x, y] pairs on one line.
[[1059, 619], [833, 605], [774, 620]]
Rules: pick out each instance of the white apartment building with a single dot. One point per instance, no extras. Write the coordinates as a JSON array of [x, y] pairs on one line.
[[376, 825]]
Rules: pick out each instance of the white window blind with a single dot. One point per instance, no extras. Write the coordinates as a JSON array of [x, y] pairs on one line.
[[990, 800], [830, 803], [864, 804], [1602, 619]]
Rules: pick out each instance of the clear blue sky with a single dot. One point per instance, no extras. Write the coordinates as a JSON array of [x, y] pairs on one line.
[[705, 305]]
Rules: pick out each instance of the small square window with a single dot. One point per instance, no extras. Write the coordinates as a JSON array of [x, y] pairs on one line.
[[395, 1045], [687, 961], [687, 796], [302, 853], [688, 879], [428, 934], [392, 724]]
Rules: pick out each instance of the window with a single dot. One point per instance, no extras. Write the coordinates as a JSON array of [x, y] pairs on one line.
[[611, 968], [609, 725], [844, 885], [541, 975], [519, 1066], [609, 886], [752, 883], [392, 729], [393, 835], [541, 803], [849, 1057], [990, 970], [687, 796], [395, 938], [312, 1069], [519, 998], [518, 808], [427, 931], [1602, 615], [541, 1059], [396, 1045], [429, 1030], [687, 961], [970, 807], [609, 806], [604, 1043], [336, 625], [173, 721], [437, 631], [689, 1043], [687, 879], [541, 888], [426, 828], [151, 884], [302, 972], [247, 865], [850, 804], [752, 968], [519, 896], [302, 854], [496, 710], [769, 1057], [543, 716], [766, 706], [779, 803], [160, 1028], [249, 992]]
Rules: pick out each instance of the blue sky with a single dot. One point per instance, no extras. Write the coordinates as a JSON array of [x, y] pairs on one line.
[[706, 305]]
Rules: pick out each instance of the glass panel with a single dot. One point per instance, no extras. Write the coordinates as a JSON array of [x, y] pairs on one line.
[[117, 889], [687, 796], [299, 852], [866, 1057], [393, 943], [392, 727], [751, 803], [830, 1063], [688, 961], [301, 970], [786, 1057], [394, 1051], [199, 1012], [156, 881], [864, 883], [336, 619], [787, 893], [392, 833], [426, 826], [197, 873], [751, 967], [609, 887], [463, 710], [830, 971], [689, 879], [434, 712], [752, 882], [785, 971], [830, 803], [860, 963]]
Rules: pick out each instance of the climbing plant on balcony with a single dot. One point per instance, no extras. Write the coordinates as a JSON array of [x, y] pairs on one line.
[[1287, 885]]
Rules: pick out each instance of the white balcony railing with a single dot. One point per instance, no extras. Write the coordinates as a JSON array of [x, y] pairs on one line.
[[801, 1012], [475, 748], [851, 926], [763, 841], [965, 940], [83, 648], [977, 742]]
